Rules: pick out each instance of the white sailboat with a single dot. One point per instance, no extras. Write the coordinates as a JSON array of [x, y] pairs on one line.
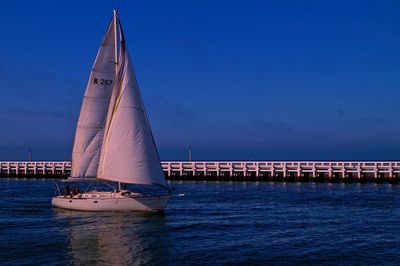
[[113, 140]]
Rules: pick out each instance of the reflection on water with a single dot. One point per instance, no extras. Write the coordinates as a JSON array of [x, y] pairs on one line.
[[114, 238]]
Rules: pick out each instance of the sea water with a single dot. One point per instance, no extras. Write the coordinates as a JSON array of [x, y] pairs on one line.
[[230, 223]]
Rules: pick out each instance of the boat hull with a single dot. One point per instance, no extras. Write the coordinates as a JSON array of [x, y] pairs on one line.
[[145, 203]]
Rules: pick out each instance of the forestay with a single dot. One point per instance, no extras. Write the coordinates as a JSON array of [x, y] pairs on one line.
[[90, 129]]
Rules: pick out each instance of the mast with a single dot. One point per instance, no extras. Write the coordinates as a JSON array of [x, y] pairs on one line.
[[116, 57], [115, 42]]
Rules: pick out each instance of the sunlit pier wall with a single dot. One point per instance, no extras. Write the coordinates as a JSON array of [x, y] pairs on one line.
[[287, 171]]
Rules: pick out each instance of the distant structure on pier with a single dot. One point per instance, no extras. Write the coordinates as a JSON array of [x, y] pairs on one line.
[[288, 171]]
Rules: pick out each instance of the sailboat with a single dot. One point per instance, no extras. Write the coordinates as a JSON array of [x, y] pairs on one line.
[[113, 139]]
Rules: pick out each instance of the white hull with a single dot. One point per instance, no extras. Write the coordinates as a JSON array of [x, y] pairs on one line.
[[111, 201]]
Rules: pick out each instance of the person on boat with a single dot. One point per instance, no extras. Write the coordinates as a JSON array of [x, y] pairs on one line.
[[67, 190], [75, 191]]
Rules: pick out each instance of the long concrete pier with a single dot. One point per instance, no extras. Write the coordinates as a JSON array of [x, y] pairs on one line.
[[288, 171]]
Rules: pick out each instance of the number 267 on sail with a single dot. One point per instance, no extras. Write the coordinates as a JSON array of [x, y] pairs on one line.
[[105, 82]]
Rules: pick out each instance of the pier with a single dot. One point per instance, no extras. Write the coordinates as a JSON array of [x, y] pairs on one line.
[[284, 171]]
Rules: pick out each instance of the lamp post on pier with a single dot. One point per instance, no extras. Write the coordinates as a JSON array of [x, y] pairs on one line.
[[29, 153], [190, 153]]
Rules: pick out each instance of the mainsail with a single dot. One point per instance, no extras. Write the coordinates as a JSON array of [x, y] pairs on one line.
[[129, 154], [90, 129]]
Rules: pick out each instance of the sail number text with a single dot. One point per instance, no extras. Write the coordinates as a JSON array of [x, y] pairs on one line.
[[105, 82]]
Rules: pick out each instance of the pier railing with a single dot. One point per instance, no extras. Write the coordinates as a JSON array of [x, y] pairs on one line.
[[235, 170]]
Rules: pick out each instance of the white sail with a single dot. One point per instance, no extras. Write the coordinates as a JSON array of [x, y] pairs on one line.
[[90, 129], [129, 154]]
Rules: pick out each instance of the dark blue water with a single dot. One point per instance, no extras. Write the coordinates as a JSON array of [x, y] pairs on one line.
[[216, 223]]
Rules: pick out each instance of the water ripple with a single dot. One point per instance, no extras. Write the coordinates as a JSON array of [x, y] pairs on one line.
[[216, 223]]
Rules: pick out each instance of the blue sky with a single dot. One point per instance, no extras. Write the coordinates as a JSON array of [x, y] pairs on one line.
[[263, 80]]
